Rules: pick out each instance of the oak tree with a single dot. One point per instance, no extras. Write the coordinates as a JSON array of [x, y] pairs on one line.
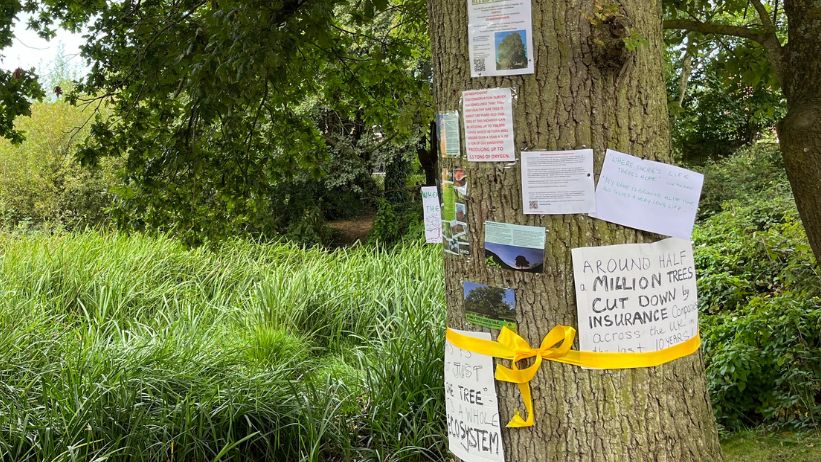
[[598, 83]]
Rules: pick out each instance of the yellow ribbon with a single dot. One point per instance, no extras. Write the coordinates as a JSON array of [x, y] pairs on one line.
[[556, 347]]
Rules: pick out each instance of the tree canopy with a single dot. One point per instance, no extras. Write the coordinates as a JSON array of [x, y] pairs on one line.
[[214, 102]]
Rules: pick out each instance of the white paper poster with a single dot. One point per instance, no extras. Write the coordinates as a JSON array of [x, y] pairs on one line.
[[488, 118], [433, 215], [471, 404], [447, 125], [558, 182], [636, 297], [648, 195], [500, 37]]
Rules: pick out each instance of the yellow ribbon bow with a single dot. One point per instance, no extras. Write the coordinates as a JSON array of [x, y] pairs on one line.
[[556, 347]]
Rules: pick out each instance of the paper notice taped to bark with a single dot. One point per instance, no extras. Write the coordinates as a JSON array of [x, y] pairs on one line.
[[648, 195], [488, 116], [558, 182], [635, 297], [500, 37], [471, 404], [433, 214]]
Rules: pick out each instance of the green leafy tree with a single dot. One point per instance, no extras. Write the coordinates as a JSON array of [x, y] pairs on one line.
[[511, 53], [218, 106], [521, 262], [489, 301], [788, 34], [714, 109]]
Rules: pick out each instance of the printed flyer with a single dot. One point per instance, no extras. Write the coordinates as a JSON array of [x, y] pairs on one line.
[[500, 37]]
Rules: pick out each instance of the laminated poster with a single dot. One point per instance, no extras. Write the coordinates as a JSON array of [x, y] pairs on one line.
[[558, 182], [447, 126], [500, 37], [514, 247], [471, 404], [648, 195], [636, 297], [455, 233], [433, 214], [491, 307], [488, 117]]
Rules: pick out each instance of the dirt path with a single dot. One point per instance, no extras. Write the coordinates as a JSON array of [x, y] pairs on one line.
[[351, 231]]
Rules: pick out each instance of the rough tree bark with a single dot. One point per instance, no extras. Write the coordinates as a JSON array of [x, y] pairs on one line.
[[585, 93], [800, 131]]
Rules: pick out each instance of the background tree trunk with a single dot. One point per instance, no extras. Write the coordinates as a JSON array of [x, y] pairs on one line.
[[800, 131], [582, 95]]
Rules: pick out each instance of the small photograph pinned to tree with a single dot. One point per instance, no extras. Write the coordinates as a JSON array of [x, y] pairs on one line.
[[455, 233], [511, 49], [514, 247], [491, 307]]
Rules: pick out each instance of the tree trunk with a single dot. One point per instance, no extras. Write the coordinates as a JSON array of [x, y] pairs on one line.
[[800, 131], [585, 93], [427, 151]]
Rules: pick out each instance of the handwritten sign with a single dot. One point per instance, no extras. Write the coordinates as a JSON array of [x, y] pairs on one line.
[[488, 116], [433, 214], [471, 404], [647, 195], [636, 297]]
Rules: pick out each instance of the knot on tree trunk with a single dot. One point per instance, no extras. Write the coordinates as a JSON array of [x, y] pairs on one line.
[[610, 36]]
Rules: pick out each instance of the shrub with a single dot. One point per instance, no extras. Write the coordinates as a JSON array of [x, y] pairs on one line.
[[753, 175], [760, 304], [41, 182]]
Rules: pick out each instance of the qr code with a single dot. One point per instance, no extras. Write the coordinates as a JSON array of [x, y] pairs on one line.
[[534, 205], [479, 64]]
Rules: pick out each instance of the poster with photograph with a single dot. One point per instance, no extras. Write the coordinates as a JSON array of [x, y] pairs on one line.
[[515, 247], [500, 37], [558, 182], [471, 404], [648, 195], [447, 130], [635, 297], [491, 307], [488, 117], [455, 233], [432, 210]]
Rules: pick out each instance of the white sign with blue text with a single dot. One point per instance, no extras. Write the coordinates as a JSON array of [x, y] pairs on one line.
[[647, 195]]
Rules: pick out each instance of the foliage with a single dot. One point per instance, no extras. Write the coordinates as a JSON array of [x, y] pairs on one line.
[[396, 223], [753, 175], [135, 348], [721, 110], [18, 87], [760, 305], [221, 109], [41, 183], [723, 87]]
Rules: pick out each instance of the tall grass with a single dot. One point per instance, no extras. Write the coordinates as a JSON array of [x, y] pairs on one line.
[[116, 347]]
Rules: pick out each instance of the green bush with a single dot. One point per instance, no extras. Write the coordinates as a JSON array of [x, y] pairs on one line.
[[40, 181], [751, 176], [397, 222], [760, 304]]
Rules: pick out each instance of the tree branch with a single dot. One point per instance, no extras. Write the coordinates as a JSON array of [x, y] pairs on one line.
[[716, 28], [764, 16], [766, 38]]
